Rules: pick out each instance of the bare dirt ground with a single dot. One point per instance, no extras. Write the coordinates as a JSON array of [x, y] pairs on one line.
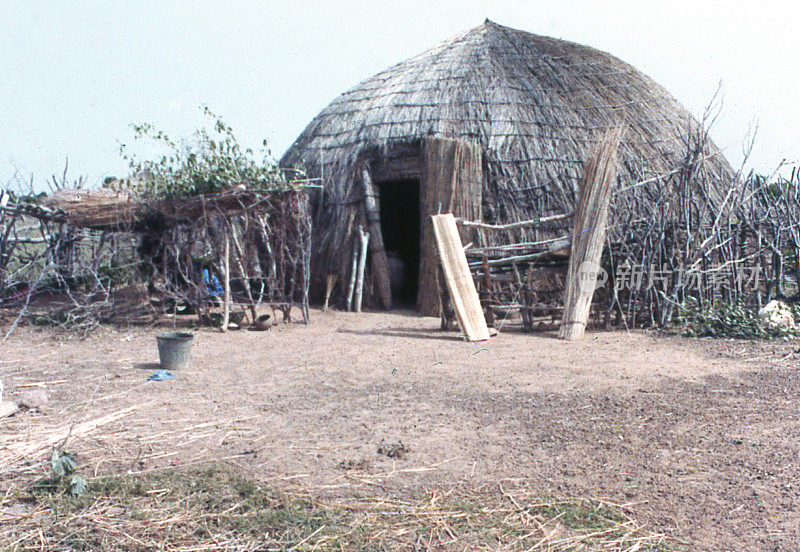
[[702, 436]]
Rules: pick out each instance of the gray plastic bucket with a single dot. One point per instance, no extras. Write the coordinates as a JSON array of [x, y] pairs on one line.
[[173, 349]]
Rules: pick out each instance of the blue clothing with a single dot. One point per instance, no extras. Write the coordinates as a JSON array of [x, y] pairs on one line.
[[212, 283], [161, 375]]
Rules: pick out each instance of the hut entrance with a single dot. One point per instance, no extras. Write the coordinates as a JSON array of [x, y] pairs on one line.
[[400, 227]]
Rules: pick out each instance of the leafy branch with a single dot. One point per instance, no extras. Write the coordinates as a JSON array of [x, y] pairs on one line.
[[210, 162]]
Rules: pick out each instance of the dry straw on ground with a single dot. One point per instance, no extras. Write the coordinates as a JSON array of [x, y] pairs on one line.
[[215, 509], [204, 503], [16, 448]]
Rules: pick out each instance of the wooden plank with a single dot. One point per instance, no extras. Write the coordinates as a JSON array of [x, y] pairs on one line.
[[459, 279]]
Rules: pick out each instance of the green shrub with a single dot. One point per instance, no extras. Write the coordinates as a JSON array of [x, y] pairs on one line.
[[729, 320], [208, 163]]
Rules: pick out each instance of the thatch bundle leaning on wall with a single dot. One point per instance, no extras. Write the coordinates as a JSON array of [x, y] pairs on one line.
[[589, 235]]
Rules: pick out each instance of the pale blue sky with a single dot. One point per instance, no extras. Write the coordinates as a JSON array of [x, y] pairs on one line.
[[75, 74]]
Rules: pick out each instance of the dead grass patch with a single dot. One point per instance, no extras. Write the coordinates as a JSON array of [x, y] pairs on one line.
[[215, 508]]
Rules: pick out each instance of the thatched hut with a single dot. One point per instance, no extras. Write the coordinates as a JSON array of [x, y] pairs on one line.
[[493, 124]]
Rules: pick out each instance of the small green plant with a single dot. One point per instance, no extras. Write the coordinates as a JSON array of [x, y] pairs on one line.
[[207, 163], [63, 478]]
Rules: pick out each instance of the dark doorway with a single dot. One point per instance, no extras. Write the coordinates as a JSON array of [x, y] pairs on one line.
[[401, 235]]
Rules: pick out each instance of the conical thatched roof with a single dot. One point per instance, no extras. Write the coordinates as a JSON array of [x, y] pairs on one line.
[[536, 104]]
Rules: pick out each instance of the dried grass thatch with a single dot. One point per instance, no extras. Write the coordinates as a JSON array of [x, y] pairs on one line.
[[589, 235], [95, 208], [536, 105], [107, 209]]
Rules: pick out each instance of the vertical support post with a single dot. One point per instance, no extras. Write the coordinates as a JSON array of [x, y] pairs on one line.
[[240, 254], [448, 314], [522, 289], [362, 262], [451, 182], [487, 290], [330, 280], [379, 264], [353, 270], [226, 313]]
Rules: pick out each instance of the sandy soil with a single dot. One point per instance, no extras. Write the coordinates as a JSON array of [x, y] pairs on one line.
[[703, 436]]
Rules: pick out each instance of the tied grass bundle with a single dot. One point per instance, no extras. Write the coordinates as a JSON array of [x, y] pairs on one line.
[[589, 232]]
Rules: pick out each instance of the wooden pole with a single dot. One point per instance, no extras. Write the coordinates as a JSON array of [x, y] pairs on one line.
[[362, 263], [379, 263], [487, 291], [512, 225], [522, 290], [226, 313], [330, 280], [353, 269], [239, 255], [448, 314]]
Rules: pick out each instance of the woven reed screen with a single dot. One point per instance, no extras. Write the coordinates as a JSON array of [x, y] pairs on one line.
[[452, 182]]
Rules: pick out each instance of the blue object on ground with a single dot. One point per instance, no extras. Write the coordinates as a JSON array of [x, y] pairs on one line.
[[161, 375], [212, 283]]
